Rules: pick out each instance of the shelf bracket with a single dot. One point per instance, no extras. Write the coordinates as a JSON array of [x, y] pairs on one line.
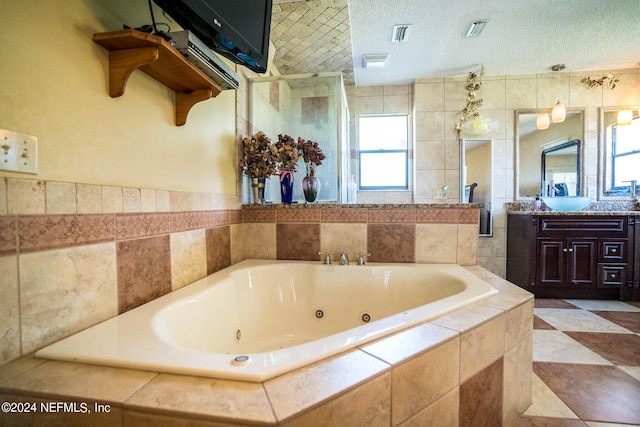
[[124, 62], [184, 102]]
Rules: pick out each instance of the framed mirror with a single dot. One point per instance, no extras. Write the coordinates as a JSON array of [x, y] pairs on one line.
[[618, 151], [561, 168], [530, 143], [476, 182]]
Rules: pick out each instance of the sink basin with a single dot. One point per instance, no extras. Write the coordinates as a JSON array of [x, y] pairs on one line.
[[567, 204]]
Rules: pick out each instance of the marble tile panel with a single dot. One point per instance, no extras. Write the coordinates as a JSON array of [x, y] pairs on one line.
[[163, 203], [216, 218], [436, 243], [519, 324], [619, 349], [25, 196], [546, 403], [505, 287], [66, 290], [603, 305], [634, 371], [183, 221], [112, 199], [258, 216], [481, 397], [131, 200], [430, 154], [387, 216], [350, 238], [367, 405], [304, 388], [218, 248], [205, 397], [298, 215], [555, 346], [148, 200], [60, 197], [468, 317], [298, 241], [469, 216], [180, 201], [41, 232], [391, 242], [423, 380], [588, 391], [552, 303], [89, 199], [9, 309], [188, 257], [144, 271], [517, 387], [344, 215], [18, 367], [577, 320], [236, 243], [467, 244], [259, 241], [626, 319], [437, 216], [429, 96], [8, 235], [409, 343], [442, 413], [538, 323], [481, 346], [78, 379], [132, 225]]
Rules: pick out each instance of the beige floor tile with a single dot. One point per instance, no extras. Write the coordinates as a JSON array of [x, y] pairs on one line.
[[546, 403], [555, 346]]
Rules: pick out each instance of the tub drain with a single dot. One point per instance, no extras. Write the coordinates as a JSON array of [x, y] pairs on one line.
[[365, 317], [319, 313]]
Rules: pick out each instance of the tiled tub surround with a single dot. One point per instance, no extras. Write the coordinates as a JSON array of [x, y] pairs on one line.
[[469, 367], [267, 312]]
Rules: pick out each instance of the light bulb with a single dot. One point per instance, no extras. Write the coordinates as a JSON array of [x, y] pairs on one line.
[[542, 122], [559, 113], [625, 117]]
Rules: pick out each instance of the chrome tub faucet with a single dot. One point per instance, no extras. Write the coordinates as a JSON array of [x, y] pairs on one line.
[[327, 258], [344, 258]]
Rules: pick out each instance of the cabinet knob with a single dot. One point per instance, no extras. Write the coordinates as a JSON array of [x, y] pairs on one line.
[[613, 276], [564, 250], [570, 250]]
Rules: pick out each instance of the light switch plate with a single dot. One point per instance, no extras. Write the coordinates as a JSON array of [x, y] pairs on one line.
[[18, 152]]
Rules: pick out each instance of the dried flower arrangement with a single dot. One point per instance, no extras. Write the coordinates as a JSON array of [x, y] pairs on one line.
[[260, 156], [469, 112], [592, 84], [311, 154], [288, 154]]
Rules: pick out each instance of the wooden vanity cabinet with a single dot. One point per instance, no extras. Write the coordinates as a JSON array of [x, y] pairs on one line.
[[572, 256]]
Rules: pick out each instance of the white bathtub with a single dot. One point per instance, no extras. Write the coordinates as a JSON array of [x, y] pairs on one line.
[[258, 319]]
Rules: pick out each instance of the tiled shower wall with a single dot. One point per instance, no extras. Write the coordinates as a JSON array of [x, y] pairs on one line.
[[73, 255]]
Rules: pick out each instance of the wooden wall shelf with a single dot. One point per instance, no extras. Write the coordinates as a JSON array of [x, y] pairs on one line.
[[130, 50]]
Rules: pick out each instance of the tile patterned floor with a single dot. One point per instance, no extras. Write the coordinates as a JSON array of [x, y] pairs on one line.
[[586, 364]]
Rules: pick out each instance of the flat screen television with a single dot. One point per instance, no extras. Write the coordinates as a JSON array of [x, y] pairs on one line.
[[237, 29]]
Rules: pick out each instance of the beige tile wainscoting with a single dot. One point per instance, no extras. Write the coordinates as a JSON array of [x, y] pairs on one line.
[[73, 255]]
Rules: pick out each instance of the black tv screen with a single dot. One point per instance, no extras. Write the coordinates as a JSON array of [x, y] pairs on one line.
[[237, 29]]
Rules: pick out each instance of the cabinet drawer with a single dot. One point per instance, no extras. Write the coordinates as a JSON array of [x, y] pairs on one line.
[[612, 250], [612, 275], [611, 226]]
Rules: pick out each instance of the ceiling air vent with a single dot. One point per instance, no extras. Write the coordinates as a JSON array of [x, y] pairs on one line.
[[400, 33], [475, 28]]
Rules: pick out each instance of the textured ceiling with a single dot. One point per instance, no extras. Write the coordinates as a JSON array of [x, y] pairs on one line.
[[521, 37], [312, 36]]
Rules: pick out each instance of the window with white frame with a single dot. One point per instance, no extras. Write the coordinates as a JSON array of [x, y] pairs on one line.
[[625, 154], [383, 152]]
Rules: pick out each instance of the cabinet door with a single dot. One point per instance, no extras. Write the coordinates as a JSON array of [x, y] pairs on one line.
[[582, 262], [551, 262]]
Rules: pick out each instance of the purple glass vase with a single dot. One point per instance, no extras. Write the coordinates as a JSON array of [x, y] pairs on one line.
[[310, 188]]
